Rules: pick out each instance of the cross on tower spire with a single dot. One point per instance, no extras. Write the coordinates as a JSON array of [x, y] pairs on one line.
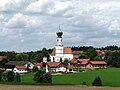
[[59, 28]]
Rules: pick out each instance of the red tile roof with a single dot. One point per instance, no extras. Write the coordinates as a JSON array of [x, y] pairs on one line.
[[41, 64], [66, 51], [83, 60], [98, 62], [1, 57], [21, 67], [53, 51], [53, 64], [73, 60]]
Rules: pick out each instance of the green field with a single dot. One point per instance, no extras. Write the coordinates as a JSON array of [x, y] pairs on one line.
[[109, 76]]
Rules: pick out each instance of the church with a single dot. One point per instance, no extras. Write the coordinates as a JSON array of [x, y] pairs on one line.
[[60, 53]]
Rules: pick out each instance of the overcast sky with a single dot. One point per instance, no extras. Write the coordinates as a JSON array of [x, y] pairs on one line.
[[30, 25]]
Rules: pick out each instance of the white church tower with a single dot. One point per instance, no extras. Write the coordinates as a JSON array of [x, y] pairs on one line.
[[59, 47], [60, 53]]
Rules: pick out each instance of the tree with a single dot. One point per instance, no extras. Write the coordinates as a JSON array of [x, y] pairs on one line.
[[66, 62], [91, 53], [97, 82], [38, 78], [47, 78], [22, 57], [35, 68], [45, 53], [8, 76], [42, 77], [11, 56], [3, 62], [17, 78], [97, 58], [113, 59]]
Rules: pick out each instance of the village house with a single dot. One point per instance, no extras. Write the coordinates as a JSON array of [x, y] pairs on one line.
[[19, 66], [58, 67], [87, 64], [40, 65], [76, 54]]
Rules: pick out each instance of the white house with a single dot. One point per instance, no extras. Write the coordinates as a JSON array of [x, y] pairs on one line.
[[20, 69], [18, 66], [55, 67]]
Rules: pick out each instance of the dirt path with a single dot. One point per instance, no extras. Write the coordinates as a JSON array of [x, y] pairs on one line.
[[72, 87]]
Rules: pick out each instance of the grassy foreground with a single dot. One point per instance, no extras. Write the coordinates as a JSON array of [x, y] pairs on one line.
[[109, 77]]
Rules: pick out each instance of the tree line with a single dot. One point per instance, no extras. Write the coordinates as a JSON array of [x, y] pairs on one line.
[[112, 58]]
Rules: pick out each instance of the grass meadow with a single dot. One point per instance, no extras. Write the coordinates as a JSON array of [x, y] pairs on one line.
[[109, 77]]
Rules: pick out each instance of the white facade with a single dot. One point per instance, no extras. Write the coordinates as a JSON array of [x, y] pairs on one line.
[[60, 53], [20, 68], [30, 65], [55, 69], [68, 56], [16, 70]]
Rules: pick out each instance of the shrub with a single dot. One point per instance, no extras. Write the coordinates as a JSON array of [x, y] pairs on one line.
[[38, 78], [8, 76], [17, 78], [35, 68], [47, 78], [97, 82], [42, 77], [84, 83]]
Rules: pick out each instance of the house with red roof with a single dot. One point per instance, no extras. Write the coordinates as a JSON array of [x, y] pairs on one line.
[[19, 66], [55, 67], [58, 67], [87, 64]]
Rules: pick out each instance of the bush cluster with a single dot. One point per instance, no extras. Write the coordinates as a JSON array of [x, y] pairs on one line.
[[35, 69], [9, 76], [42, 77], [97, 81]]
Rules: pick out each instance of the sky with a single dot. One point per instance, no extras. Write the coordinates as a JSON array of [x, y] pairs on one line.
[[30, 25]]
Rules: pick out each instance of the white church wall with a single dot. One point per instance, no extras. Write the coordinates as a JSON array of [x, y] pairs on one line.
[[68, 56]]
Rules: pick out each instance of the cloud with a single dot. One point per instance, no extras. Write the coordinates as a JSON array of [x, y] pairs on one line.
[[27, 25]]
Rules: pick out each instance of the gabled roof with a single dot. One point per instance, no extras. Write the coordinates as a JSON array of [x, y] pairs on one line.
[[18, 63], [21, 67], [53, 52], [53, 64], [66, 51], [73, 60], [83, 60], [98, 62], [41, 64]]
